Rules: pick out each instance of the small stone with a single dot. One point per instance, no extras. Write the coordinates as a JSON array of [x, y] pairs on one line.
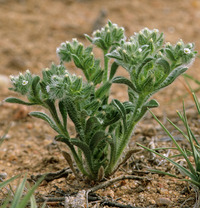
[[29, 125], [163, 201], [164, 191], [21, 113], [3, 175], [151, 201]]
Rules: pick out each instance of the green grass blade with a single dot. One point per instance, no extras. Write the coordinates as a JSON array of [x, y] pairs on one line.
[[27, 197], [33, 201], [177, 145], [165, 148], [18, 194], [192, 181], [183, 170], [6, 202], [192, 78], [195, 155], [196, 103], [162, 172], [2, 184]]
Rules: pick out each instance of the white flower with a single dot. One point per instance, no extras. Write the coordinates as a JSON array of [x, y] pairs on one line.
[[168, 44], [28, 71], [24, 82], [187, 51], [47, 88], [57, 51], [140, 50], [11, 77], [63, 44], [190, 45], [179, 43], [156, 30]]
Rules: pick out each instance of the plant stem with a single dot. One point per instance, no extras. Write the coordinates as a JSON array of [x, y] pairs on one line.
[[106, 61], [52, 110], [126, 138]]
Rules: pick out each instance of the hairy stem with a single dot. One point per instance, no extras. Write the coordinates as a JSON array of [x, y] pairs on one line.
[[106, 61], [126, 138], [51, 107]]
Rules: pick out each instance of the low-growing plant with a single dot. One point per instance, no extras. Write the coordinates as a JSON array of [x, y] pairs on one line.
[[192, 171], [18, 199], [103, 125]]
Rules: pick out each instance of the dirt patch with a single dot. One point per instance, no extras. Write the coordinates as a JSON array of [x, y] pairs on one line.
[[30, 32]]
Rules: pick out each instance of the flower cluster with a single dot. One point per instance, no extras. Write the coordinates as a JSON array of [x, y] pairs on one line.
[[22, 82], [109, 35]]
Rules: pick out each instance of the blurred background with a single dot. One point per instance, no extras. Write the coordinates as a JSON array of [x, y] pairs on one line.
[[31, 30]]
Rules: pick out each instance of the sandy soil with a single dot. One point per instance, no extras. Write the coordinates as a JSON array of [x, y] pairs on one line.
[[30, 32]]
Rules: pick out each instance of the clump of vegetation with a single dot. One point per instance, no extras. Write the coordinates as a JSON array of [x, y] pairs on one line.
[[103, 125], [18, 198], [192, 171]]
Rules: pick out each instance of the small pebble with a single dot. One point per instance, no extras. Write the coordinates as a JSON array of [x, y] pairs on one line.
[[3, 175], [163, 201]]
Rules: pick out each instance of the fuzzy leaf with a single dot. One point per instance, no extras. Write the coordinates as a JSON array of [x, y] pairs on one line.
[[63, 113], [77, 61], [165, 65], [171, 77], [46, 118], [123, 80], [96, 138], [18, 101], [35, 87], [88, 37], [73, 114], [103, 90], [169, 54], [120, 107], [151, 104], [113, 69]]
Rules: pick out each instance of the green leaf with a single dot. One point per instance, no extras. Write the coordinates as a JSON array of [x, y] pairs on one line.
[[120, 107], [74, 115], [100, 43], [91, 124], [103, 90], [86, 150], [46, 118], [63, 112], [164, 64], [144, 62], [77, 61], [123, 80], [169, 54], [97, 77], [35, 87], [96, 138], [151, 104], [171, 77], [18, 101], [92, 107], [89, 38], [113, 69]]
